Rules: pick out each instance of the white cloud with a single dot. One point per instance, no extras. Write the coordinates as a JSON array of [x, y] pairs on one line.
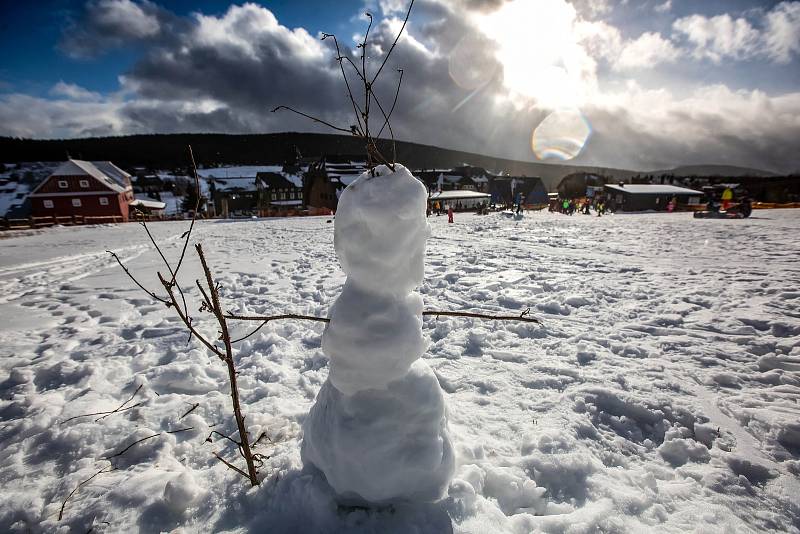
[[72, 91], [646, 51], [126, 16], [782, 32], [776, 36], [719, 37], [664, 8]]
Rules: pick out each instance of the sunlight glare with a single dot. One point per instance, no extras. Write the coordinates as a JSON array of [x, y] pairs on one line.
[[538, 51], [561, 135]]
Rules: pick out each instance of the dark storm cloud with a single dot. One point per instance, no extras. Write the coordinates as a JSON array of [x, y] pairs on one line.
[[225, 73]]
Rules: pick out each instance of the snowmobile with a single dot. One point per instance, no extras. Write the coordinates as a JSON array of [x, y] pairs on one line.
[[742, 210]]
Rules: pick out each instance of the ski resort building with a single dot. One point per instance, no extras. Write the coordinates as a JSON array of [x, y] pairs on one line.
[[279, 193], [326, 179], [84, 190], [649, 197]]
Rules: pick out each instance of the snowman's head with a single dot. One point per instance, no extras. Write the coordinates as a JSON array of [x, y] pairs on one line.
[[380, 231]]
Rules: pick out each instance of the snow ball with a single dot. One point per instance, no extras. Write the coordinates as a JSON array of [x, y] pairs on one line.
[[380, 230], [383, 445], [371, 339], [679, 451], [181, 492]]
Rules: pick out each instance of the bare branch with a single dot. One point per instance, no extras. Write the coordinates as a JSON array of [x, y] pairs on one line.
[[190, 410], [135, 281], [188, 234], [313, 119], [391, 49], [188, 322], [522, 317], [102, 413], [224, 461], [276, 317], [124, 403], [71, 493], [244, 444]]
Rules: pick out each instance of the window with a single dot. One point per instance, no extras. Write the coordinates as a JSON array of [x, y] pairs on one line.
[[274, 196], [104, 201], [76, 202], [283, 195], [62, 184], [48, 204], [84, 183]]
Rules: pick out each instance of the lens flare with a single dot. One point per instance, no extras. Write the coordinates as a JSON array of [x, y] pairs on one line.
[[472, 63], [561, 135]]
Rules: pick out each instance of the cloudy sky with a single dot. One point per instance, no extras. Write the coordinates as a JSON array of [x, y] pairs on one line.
[[658, 83]]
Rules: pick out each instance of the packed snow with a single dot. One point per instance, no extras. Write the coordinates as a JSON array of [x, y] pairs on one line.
[[661, 392], [378, 429]]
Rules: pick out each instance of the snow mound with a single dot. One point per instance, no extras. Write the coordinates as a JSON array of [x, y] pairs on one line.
[[378, 429]]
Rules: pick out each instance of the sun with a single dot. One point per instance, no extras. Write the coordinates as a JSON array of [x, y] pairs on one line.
[[542, 62]]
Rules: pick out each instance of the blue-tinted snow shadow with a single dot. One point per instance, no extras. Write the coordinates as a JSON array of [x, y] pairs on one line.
[[302, 501]]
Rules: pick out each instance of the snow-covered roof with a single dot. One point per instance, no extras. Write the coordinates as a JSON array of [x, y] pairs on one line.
[[654, 189], [458, 195], [240, 183], [147, 202], [242, 171], [116, 179]]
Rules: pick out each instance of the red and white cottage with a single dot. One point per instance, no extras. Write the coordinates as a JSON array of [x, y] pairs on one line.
[[84, 189]]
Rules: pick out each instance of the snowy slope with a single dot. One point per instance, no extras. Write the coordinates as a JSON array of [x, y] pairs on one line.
[[661, 393]]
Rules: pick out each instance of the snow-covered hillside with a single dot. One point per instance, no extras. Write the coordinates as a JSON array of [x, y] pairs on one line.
[[661, 392]]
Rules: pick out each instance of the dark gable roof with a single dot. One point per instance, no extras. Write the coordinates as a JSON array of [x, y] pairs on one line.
[[273, 180]]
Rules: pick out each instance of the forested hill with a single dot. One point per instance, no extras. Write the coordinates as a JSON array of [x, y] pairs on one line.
[[168, 151]]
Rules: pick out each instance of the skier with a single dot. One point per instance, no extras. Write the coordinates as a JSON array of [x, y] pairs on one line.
[[449, 214]]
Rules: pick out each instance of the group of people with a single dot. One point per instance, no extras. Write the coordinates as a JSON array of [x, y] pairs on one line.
[[584, 206]]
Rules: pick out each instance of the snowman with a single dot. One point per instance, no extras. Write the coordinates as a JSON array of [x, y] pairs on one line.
[[378, 429]]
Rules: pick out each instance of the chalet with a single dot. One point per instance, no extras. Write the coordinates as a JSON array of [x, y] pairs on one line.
[[234, 197], [649, 197], [279, 193], [463, 178], [510, 190], [326, 179], [83, 189]]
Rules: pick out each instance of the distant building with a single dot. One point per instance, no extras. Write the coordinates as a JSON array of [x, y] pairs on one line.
[[326, 179], [510, 190], [234, 197], [279, 193], [83, 189], [649, 197]]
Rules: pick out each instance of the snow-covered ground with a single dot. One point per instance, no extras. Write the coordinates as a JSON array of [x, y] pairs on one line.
[[661, 393]]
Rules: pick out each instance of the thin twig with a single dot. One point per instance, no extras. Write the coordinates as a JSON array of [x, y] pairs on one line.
[[391, 49], [71, 493], [126, 449], [124, 403], [228, 359], [522, 318], [193, 408], [224, 461], [188, 234], [102, 413], [473, 315], [135, 281], [187, 322], [313, 119]]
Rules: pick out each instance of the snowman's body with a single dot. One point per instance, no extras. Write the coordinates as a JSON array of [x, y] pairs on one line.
[[378, 429]]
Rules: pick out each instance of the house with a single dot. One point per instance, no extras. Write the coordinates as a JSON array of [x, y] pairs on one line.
[[649, 197], [279, 193], [510, 190], [463, 178], [326, 179], [234, 196], [458, 199], [83, 189]]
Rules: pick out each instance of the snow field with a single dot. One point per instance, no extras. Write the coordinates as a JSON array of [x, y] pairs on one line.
[[661, 393]]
